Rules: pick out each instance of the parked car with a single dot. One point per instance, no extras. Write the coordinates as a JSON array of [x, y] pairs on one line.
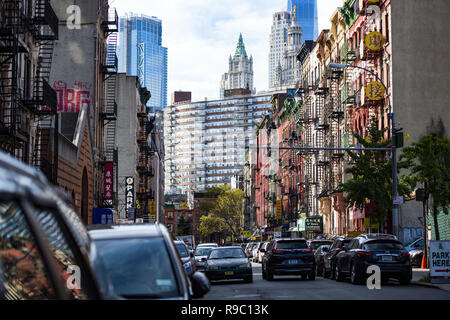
[[186, 256], [43, 241], [228, 263], [374, 249], [414, 245], [330, 257], [314, 244], [255, 251], [249, 249], [288, 257], [319, 258], [262, 251], [143, 263], [200, 255], [211, 244]]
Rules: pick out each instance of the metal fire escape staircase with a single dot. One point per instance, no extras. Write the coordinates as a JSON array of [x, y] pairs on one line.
[[109, 113], [44, 102], [12, 28]]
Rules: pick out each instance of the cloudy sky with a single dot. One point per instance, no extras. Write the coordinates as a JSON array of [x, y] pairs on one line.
[[201, 34]]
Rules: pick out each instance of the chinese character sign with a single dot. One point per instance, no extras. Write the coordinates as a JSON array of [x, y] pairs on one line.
[[374, 41], [375, 91], [108, 184]]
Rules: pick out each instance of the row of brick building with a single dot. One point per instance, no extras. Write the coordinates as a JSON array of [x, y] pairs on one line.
[[284, 188]]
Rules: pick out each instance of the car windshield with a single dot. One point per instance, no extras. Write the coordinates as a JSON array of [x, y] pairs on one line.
[[139, 268], [181, 247], [227, 254], [202, 251], [316, 244], [382, 245], [300, 244]]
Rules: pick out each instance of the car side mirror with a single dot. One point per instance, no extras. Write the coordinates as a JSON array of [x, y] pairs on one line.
[[192, 254], [203, 259], [263, 250], [200, 284]]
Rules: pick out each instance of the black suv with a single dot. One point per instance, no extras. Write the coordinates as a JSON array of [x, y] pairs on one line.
[[44, 246], [382, 250], [288, 257], [330, 257]]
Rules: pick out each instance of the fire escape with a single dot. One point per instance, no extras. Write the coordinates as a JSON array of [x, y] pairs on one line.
[[27, 97], [322, 141], [108, 115]]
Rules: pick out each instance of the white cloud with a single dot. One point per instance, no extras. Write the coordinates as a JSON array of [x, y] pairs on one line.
[[201, 34]]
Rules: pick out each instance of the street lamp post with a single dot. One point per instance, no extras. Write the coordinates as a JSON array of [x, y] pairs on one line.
[[395, 226]]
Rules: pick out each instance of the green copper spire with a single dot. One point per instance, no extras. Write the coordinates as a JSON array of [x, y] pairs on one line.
[[240, 50]]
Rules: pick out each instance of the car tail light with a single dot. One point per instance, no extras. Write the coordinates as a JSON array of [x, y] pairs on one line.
[[406, 254], [307, 250], [362, 253], [275, 251], [338, 250]]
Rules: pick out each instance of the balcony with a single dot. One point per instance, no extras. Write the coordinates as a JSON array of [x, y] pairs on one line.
[[111, 22], [45, 21], [45, 100]]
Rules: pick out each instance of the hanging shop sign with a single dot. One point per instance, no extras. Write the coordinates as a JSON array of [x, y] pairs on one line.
[[375, 91], [314, 224], [129, 193], [301, 224], [374, 41], [152, 210], [108, 184], [279, 209]]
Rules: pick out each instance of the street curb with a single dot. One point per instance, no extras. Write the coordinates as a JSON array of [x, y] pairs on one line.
[[429, 285]]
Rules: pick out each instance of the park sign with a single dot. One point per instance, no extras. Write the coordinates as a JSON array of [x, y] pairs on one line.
[[314, 224], [440, 261]]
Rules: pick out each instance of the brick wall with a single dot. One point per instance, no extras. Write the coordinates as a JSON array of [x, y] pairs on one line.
[[70, 176]]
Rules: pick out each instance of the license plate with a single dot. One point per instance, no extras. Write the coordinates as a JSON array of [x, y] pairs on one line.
[[229, 273], [386, 258], [293, 262]]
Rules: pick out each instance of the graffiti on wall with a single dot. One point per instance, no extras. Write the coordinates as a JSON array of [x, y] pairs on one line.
[[73, 98]]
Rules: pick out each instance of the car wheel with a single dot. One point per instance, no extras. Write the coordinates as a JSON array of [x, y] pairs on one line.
[[318, 271], [332, 272], [269, 276], [355, 278], [338, 274], [248, 279], [312, 275], [263, 273], [325, 273]]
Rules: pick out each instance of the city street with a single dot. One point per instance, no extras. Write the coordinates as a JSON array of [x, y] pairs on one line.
[[293, 288]]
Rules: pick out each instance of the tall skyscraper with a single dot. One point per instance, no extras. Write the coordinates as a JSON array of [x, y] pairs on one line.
[[306, 11], [141, 54], [240, 71], [285, 41]]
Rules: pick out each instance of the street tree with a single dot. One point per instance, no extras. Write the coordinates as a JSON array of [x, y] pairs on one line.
[[184, 227], [428, 164], [226, 214], [371, 176]]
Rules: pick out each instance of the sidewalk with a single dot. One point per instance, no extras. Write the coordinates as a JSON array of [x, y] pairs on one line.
[[418, 279]]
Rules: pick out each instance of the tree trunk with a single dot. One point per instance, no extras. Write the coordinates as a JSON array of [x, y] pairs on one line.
[[436, 226]]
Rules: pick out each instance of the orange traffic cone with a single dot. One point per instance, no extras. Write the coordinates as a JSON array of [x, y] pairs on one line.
[[424, 263]]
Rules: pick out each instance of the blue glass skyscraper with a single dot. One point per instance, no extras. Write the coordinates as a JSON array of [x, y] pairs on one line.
[[307, 17], [141, 54]]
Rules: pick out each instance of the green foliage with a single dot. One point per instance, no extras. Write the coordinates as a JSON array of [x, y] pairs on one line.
[[184, 227], [371, 175], [225, 213], [428, 163]]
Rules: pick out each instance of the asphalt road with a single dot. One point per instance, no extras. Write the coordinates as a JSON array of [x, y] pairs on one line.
[[293, 288]]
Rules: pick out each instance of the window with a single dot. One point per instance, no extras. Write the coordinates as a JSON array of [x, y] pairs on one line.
[[62, 251], [21, 265], [387, 27]]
